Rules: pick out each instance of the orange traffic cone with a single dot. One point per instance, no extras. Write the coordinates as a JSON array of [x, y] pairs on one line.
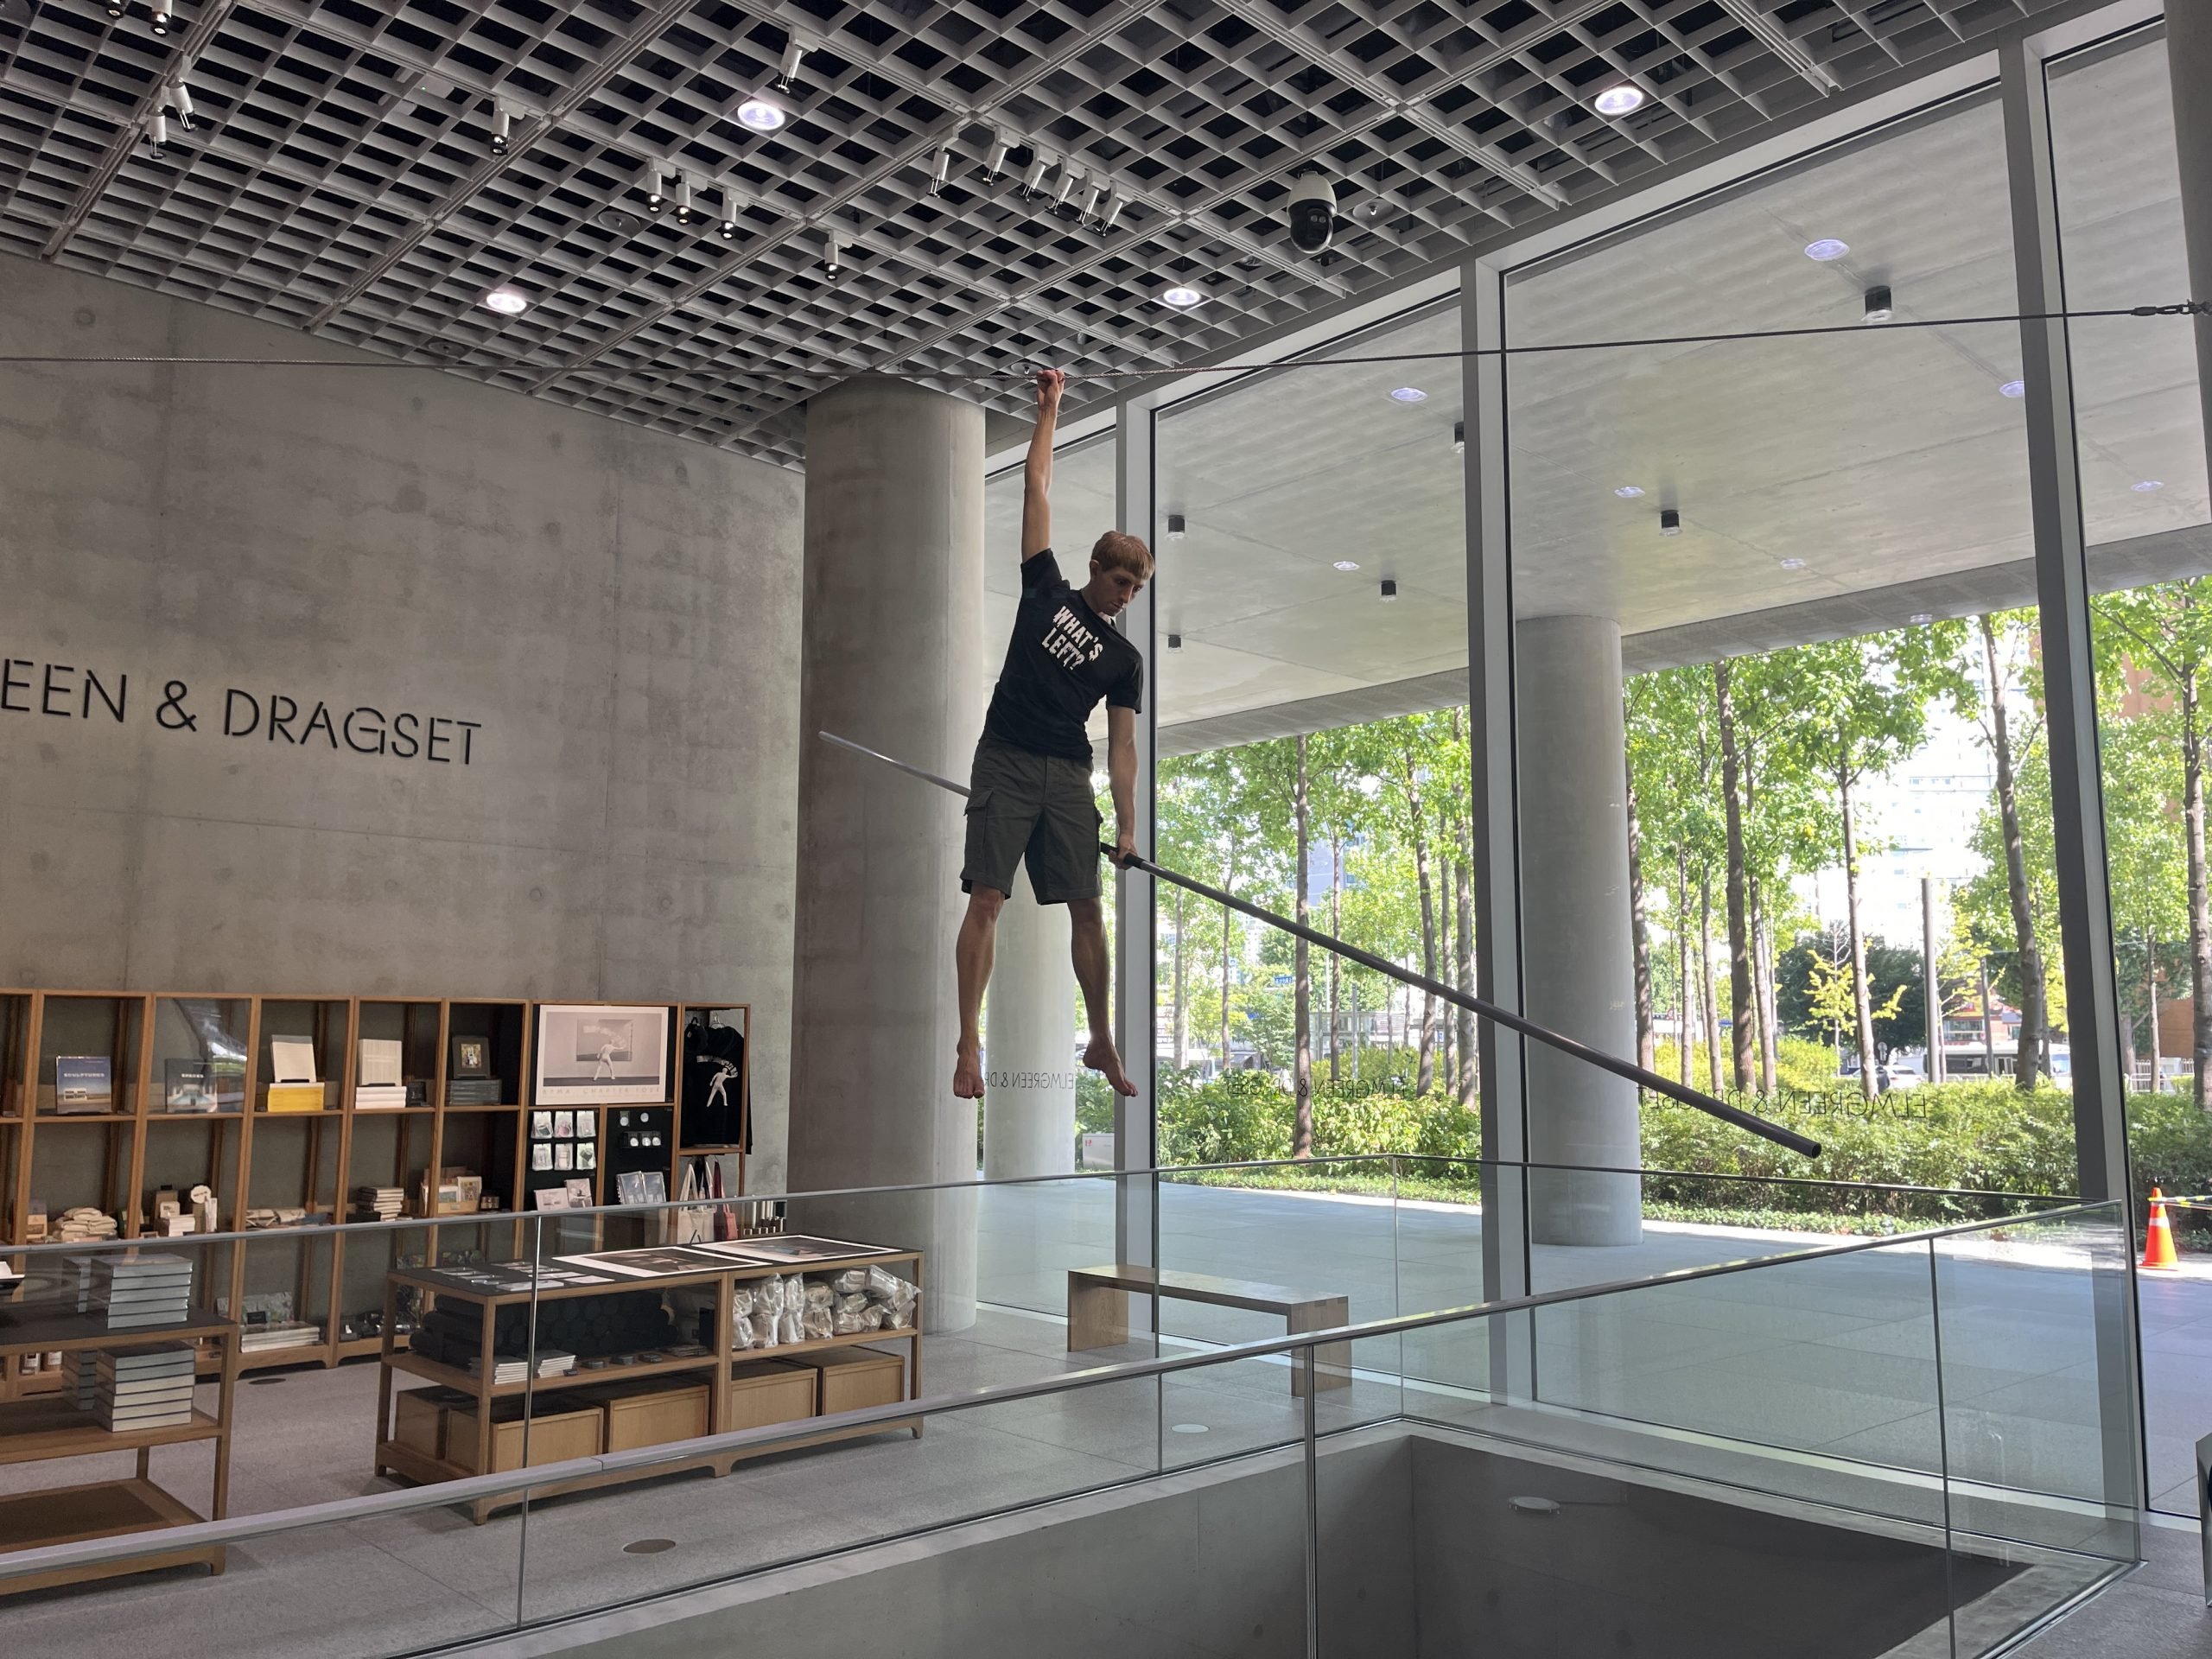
[[2158, 1242]]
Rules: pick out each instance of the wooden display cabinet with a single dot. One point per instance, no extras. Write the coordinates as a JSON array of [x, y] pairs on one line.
[[158, 1134]]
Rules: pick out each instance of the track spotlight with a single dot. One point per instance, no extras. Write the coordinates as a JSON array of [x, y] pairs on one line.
[[1879, 309], [685, 212], [1670, 522], [157, 134], [1458, 437], [794, 52], [1069, 177], [994, 163], [180, 100], [942, 170], [161, 20], [1090, 196], [833, 256], [656, 198], [762, 113], [1040, 164], [1176, 528], [115, 7], [503, 130], [725, 229], [1389, 590], [1113, 212]]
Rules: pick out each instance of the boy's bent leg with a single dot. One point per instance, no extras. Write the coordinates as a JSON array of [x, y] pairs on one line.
[[1087, 942], [978, 941]]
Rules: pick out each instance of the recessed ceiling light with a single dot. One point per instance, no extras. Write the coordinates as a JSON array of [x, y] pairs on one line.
[[1181, 298], [1793, 564], [2145, 486], [761, 114], [2014, 389], [620, 220], [506, 299], [1628, 492], [1623, 100], [1880, 307], [1826, 248], [1408, 395], [1347, 564]]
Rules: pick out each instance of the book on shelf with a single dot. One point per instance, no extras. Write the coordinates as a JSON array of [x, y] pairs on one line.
[[380, 1098], [188, 1086], [280, 1333], [294, 1097], [291, 1059], [84, 1083], [473, 1092], [381, 1062]]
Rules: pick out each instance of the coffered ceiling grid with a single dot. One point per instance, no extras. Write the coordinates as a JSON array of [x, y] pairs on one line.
[[340, 173]]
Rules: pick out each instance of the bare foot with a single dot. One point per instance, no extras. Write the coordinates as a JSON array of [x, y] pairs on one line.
[[1101, 1057], [967, 1073]]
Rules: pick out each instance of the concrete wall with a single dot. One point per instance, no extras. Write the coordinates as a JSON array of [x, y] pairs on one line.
[[619, 611]]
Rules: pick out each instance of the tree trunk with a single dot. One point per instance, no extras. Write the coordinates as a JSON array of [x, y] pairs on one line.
[[1301, 1134], [1743, 1030], [1336, 927], [1647, 1042], [1862, 1003], [2150, 984], [1705, 981], [1682, 961], [1228, 920], [2029, 959], [1425, 1062], [1182, 1008], [2200, 912], [1464, 898], [1448, 1047], [1763, 989]]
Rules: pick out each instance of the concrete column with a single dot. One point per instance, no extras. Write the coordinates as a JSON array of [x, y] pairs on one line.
[[1579, 967], [1029, 1044], [891, 641], [2188, 67]]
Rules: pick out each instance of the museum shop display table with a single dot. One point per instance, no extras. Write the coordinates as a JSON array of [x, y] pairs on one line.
[[656, 1377]]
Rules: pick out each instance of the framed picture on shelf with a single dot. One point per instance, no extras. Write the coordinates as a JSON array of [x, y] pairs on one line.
[[588, 1053], [472, 1056]]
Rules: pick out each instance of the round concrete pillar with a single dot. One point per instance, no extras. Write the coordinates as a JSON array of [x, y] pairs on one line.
[[891, 656], [1029, 1044], [1579, 967]]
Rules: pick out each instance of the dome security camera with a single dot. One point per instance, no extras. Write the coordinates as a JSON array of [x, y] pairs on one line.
[[1313, 212]]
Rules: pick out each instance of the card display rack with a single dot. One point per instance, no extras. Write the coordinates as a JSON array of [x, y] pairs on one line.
[[44, 1429], [396, 1455], [190, 1075]]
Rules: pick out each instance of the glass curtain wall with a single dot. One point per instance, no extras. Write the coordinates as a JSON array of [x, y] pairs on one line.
[[1312, 681], [2139, 424], [1781, 588]]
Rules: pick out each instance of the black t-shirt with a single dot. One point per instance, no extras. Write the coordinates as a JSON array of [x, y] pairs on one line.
[[1063, 657]]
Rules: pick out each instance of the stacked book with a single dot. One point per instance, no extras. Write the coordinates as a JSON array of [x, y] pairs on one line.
[[378, 1203], [379, 1097], [144, 1387], [554, 1362], [473, 1091], [279, 1333], [295, 1097], [80, 1374], [505, 1368], [139, 1290]]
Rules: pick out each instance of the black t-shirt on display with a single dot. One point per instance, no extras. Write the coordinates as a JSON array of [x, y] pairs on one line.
[[1063, 659]]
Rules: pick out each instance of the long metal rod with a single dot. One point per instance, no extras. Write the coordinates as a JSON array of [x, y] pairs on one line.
[[1450, 993]]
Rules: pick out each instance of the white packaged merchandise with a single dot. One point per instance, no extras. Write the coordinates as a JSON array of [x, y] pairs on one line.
[[851, 1282], [741, 1331], [818, 1323], [793, 1328], [818, 1294]]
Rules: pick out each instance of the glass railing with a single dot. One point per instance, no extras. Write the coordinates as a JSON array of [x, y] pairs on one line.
[[1928, 1438]]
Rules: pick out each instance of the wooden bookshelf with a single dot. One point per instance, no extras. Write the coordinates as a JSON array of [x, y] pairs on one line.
[[713, 1367], [254, 1158], [39, 1430]]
